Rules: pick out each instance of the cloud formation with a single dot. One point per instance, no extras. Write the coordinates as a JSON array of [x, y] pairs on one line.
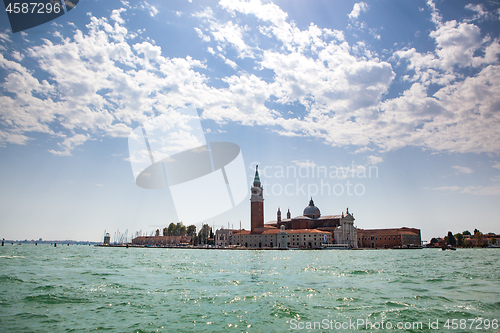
[[461, 169], [475, 190], [105, 80], [357, 9]]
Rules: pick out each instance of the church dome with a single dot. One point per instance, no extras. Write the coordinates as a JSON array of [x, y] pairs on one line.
[[311, 210]]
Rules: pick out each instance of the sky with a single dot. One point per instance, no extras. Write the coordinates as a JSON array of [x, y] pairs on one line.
[[388, 108]]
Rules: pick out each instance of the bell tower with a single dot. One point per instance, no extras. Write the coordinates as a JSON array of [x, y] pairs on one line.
[[256, 203]]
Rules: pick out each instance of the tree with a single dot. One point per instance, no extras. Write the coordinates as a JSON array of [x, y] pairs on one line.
[[180, 229], [460, 239], [434, 241], [450, 239], [191, 230], [171, 229], [493, 240], [157, 233], [466, 233], [476, 231], [165, 231], [203, 234]]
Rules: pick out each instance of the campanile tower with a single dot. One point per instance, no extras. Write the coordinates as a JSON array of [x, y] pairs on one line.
[[256, 203]]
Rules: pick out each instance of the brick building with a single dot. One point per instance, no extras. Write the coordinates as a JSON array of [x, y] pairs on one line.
[[389, 238]]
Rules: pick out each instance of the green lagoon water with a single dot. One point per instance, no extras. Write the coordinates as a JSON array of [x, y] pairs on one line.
[[86, 288]]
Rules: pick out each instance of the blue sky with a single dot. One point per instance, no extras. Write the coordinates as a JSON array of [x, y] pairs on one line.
[[409, 90]]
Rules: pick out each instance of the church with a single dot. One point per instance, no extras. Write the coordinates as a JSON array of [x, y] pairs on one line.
[[341, 227], [309, 231]]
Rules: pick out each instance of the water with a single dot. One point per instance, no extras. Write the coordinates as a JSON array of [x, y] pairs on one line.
[[84, 288]]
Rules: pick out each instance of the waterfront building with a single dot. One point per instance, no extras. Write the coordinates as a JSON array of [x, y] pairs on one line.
[[299, 234], [272, 237], [162, 240], [341, 227], [224, 237], [310, 230], [389, 238], [482, 240]]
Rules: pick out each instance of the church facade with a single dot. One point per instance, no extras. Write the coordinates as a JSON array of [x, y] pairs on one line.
[[311, 230], [341, 227]]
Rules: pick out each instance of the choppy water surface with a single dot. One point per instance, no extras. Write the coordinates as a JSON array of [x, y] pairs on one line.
[[83, 288]]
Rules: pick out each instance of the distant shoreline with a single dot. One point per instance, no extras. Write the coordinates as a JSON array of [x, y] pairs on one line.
[[49, 242]]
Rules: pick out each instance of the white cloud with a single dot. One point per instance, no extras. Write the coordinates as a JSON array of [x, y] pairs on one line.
[[69, 144], [202, 35], [495, 179], [374, 159], [229, 62], [265, 12], [206, 14], [447, 188], [5, 37], [357, 9], [230, 33], [17, 56], [474, 190], [435, 15], [115, 15], [13, 138], [101, 82], [496, 165], [456, 43], [153, 11], [461, 169], [91, 97], [456, 46], [151, 53], [478, 9], [363, 150]]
